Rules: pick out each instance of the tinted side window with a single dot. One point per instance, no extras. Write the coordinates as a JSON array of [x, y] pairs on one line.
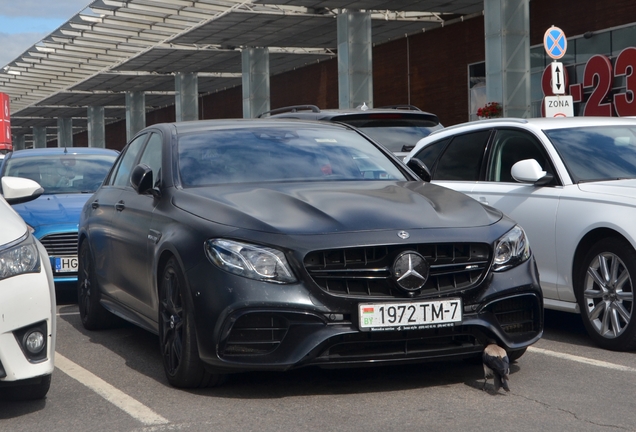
[[463, 157], [429, 154], [122, 176], [511, 146]]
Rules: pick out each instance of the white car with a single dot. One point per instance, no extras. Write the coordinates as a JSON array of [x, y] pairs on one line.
[[571, 184], [27, 300]]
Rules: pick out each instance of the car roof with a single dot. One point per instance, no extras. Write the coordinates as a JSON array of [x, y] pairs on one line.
[[62, 150], [313, 112], [533, 123], [203, 125]]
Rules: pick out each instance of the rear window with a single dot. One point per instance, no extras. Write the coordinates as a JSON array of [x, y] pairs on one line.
[[396, 131]]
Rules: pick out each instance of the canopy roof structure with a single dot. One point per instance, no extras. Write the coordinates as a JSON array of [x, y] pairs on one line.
[[118, 46]]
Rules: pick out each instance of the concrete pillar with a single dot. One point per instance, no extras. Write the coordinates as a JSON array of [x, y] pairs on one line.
[[255, 68], [355, 62], [18, 142], [507, 38], [65, 132], [187, 96], [39, 136], [96, 127], [135, 113]]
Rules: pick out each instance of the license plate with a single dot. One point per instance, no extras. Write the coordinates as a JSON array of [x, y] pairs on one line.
[[410, 316], [67, 264]]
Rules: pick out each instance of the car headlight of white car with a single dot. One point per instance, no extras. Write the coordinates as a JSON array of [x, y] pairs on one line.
[[248, 260], [511, 249], [19, 258]]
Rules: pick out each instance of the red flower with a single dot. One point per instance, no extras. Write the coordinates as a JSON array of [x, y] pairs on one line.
[[490, 110]]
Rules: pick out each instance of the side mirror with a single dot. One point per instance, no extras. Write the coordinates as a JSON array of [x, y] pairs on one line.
[[418, 167], [18, 190], [529, 171], [141, 180]]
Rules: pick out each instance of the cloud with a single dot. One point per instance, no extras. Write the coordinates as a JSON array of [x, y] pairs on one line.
[[23, 23], [63, 9], [16, 44]]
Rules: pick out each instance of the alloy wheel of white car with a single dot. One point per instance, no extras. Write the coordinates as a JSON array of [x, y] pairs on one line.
[[607, 300]]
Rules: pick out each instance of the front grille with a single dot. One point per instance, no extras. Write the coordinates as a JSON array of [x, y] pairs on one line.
[[63, 244], [366, 271], [398, 346], [255, 334], [518, 314]]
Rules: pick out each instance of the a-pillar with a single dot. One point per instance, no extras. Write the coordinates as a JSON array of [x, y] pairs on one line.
[[355, 60], [187, 96], [65, 132], [255, 68], [135, 113], [507, 33], [96, 127], [39, 136]]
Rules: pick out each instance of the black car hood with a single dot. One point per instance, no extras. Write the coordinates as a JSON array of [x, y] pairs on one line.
[[331, 207]]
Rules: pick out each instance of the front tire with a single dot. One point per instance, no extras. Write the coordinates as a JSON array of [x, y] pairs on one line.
[[605, 293], [92, 313], [177, 333]]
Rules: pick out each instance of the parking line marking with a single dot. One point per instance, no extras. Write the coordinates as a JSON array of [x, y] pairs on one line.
[[113, 395], [584, 360]]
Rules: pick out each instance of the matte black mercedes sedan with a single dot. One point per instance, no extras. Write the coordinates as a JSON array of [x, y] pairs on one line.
[[275, 244]]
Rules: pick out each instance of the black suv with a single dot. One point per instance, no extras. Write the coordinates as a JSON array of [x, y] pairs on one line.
[[397, 127]]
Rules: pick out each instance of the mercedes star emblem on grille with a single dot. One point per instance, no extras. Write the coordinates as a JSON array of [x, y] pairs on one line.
[[410, 271], [403, 235]]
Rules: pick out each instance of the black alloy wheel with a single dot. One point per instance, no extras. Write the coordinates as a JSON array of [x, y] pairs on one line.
[[177, 334], [605, 293], [92, 313]]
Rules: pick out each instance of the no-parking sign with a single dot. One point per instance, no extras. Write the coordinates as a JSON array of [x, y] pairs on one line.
[[555, 43]]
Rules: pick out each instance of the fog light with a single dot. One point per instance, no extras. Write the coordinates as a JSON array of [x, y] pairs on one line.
[[34, 341]]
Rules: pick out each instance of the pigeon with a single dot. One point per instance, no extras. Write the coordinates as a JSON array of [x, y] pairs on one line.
[[497, 366]]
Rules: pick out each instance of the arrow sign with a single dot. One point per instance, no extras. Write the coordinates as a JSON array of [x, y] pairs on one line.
[[558, 80]]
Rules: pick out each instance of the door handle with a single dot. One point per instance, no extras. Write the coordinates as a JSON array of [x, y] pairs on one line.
[[120, 206], [95, 204]]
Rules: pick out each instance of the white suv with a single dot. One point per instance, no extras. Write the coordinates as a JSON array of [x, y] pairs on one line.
[[27, 301]]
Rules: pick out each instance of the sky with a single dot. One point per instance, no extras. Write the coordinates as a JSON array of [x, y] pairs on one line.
[[23, 23]]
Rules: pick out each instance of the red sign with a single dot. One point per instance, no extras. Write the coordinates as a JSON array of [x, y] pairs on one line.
[[5, 123], [596, 88]]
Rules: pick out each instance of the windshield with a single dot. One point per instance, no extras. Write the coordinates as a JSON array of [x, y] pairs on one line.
[[281, 154], [399, 135], [62, 173], [597, 153]]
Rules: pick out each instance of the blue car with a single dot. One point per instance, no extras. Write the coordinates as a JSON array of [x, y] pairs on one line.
[[69, 176]]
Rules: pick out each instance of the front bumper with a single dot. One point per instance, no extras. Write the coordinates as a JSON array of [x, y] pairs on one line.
[[246, 325], [27, 302]]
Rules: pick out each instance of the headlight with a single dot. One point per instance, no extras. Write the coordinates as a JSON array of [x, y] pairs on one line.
[[511, 249], [19, 258], [252, 261]]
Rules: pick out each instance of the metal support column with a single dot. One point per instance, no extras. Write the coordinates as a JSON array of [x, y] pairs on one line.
[[135, 113], [187, 96], [255, 68], [96, 127], [507, 36], [64, 132], [39, 136], [355, 63]]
